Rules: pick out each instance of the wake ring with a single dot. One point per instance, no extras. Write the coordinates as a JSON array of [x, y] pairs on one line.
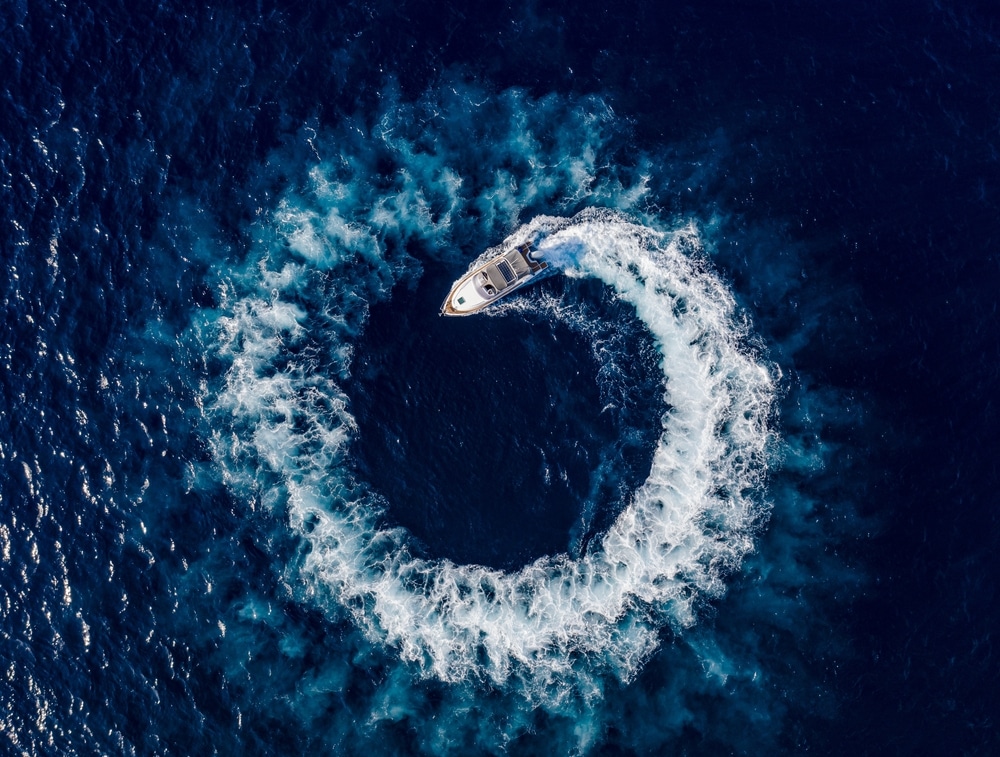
[[557, 624]]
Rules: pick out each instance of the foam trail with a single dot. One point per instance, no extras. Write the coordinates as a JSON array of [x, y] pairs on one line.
[[559, 625]]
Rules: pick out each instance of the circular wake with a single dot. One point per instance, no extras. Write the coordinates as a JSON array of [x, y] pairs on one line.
[[558, 624]]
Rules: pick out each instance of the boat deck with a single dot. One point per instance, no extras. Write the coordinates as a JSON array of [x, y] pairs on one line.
[[499, 276]]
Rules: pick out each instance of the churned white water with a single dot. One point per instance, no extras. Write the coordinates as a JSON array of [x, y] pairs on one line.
[[559, 624]]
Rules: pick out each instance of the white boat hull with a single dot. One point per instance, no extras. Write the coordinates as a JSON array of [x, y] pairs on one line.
[[495, 279]]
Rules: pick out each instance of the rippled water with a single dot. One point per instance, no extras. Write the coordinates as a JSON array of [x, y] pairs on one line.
[[696, 492]]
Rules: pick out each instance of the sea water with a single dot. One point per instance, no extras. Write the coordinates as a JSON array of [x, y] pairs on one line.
[[259, 498]]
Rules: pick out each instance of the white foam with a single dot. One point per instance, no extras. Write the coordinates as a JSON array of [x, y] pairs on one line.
[[282, 427], [558, 625]]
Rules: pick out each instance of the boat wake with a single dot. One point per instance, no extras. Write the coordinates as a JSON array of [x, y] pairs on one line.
[[559, 625]]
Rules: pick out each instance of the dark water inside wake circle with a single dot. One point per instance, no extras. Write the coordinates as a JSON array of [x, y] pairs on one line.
[[497, 440]]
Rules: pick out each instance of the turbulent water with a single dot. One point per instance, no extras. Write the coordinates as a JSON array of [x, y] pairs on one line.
[[713, 486]]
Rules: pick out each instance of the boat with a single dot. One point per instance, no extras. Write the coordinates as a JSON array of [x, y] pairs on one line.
[[496, 278]]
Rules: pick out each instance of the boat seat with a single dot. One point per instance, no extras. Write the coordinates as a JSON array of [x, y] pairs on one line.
[[518, 263]]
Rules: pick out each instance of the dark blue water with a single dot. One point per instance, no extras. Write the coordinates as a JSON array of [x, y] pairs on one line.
[[442, 405], [725, 485]]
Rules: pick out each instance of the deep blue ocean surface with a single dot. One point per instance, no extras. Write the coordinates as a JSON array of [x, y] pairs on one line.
[[725, 483]]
